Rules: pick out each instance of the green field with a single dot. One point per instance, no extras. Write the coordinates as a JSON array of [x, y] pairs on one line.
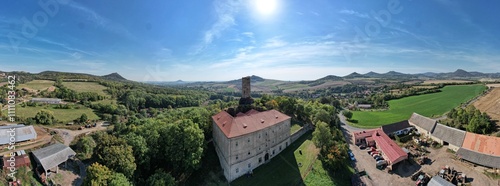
[[37, 84], [428, 105], [284, 168], [86, 87], [63, 115]]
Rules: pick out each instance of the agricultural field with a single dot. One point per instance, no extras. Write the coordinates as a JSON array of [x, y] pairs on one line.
[[86, 87], [63, 115], [489, 104], [428, 82], [37, 85], [429, 105]]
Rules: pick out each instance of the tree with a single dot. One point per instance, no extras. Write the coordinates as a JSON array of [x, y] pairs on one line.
[[161, 178], [97, 174], [323, 116], [322, 136], [347, 114], [118, 179], [44, 117], [85, 147], [183, 147], [114, 153], [83, 118]]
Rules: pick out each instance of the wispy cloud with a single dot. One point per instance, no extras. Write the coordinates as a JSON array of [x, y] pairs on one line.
[[225, 11], [64, 46], [274, 43], [102, 22], [352, 12]]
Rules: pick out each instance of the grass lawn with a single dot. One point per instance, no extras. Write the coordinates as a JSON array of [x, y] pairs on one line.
[[284, 168], [427, 105], [319, 176], [295, 127], [63, 115], [37, 84], [86, 87]]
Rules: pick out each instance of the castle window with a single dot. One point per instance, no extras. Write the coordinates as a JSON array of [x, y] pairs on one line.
[[236, 143], [236, 157], [237, 170], [260, 159], [248, 152], [259, 135], [248, 140], [280, 147], [249, 165]]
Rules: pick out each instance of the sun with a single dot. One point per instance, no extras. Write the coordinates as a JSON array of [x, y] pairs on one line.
[[265, 7]]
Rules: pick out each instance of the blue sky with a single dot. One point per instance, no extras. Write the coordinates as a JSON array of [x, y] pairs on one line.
[[161, 40]]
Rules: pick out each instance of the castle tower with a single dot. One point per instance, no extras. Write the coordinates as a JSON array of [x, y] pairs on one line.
[[245, 87]]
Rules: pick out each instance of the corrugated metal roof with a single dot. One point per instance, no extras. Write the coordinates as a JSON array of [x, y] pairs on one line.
[[53, 155], [248, 122], [479, 158], [451, 135], [23, 133], [438, 181], [46, 99], [423, 122], [481, 143]]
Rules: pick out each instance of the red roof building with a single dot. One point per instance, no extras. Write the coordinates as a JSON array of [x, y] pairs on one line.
[[392, 151], [19, 161], [245, 123]]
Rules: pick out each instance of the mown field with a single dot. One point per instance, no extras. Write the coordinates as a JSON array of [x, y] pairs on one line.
[[428, 105], [37, 84], [86, 87], [63, 115]]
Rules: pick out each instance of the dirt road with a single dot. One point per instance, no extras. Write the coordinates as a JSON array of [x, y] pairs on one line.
[[69, 135]]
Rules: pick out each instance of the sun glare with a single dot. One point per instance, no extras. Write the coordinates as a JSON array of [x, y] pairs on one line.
[[265, 7]]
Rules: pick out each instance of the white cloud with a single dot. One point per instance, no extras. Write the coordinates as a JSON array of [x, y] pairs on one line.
[[225, 11], [352, 12], [274, 43]]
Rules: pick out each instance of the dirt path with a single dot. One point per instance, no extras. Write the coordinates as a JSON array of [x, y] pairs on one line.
[[69, 135]]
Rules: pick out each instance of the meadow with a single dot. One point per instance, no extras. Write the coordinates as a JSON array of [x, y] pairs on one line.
[[62, 115], [37, 84], [429, 105], [86, 87]]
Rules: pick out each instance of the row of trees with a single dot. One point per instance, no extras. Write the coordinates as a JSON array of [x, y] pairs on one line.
[[471, 119]]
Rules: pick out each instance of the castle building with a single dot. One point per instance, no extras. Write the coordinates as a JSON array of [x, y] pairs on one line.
[[247, 140]]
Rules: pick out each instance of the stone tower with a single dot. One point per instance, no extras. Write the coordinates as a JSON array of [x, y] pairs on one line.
[[245, 87], [245, 99]]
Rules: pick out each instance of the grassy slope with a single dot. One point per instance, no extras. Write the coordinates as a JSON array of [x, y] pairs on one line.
[[86, 87], [64, 115], [284, 169], [427, 105], [37, 84]]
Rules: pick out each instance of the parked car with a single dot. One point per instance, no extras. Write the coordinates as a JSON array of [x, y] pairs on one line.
[[362, 146], [381, 162], [379, 158], [351, 155]]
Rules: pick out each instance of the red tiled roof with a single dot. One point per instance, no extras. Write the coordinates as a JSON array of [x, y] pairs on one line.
[[363, 134], [245, 123], [392, 151], [481, 143]]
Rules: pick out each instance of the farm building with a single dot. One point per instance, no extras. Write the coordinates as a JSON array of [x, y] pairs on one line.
[[20, 159], [20, 133], [363, 137], [481, 149], [402, 127], [423, 124], [438, 181], [247, 140], [445, 135], [390, 150], [52, 156], [46, 100]]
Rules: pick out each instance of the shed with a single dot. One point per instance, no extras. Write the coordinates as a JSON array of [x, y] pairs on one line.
[[450, 135], [479, 158], [438, 181], [422, 122], [21, 133], [53, 155]]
